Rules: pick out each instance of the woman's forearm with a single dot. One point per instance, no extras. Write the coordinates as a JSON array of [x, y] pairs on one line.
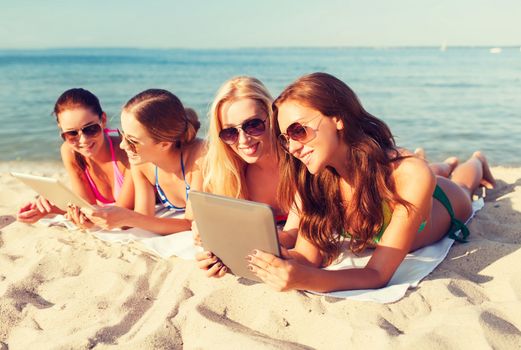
[[320, 280], [163, 226]]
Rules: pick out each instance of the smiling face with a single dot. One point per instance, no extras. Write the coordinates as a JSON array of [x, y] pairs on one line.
[[77, 119], [234, 114], [324, 147], [136, 142]]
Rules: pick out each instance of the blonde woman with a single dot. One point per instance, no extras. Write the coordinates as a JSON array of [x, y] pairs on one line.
[[241, 160]]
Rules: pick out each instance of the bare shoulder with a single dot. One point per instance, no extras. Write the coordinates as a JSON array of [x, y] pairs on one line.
[[69, 158], [67, 153], [197, 150], [145, 170], [411, 175]]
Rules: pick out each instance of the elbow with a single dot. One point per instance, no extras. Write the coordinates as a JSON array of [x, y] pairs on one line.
[[184, 225], [380, 284], [379, 280], [180, 226], [300, 258]]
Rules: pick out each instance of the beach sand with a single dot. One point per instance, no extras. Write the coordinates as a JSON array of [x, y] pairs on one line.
[[62, 289]]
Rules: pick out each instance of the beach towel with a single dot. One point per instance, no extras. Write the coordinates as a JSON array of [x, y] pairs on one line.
[[416, 265], [178, 244]]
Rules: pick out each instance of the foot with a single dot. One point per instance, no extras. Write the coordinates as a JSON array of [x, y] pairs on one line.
[[452, 163], [488, 179], [420, 153]]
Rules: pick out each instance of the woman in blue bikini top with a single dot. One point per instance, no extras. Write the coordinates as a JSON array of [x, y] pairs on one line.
[[159, 136]]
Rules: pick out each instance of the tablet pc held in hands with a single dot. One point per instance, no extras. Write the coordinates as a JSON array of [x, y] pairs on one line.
[[231, 228], [52, 190]]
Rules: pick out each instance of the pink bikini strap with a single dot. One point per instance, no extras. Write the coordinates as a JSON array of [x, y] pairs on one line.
[[99, 197], [118, 176]]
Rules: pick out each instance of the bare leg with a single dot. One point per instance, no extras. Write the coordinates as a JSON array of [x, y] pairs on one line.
[[444, 168], [473, 173], [465, 179]]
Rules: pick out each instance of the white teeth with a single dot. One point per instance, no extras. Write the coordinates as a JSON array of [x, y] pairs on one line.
[[306, 158], [87, 146], [249, 150]]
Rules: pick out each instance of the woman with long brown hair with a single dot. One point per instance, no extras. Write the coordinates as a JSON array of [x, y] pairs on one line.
[[348, 182]]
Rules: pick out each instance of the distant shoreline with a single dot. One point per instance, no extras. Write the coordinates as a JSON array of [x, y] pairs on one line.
[[113, 48]]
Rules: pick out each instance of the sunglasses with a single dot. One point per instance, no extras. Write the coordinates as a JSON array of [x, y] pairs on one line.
[[252, 127], [299, 132], [88, 131], [132, 145]]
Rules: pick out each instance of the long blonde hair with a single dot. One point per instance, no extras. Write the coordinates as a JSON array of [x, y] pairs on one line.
[[224, 170]]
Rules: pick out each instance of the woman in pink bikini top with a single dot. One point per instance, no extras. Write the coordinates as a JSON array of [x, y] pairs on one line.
[[96, 167]]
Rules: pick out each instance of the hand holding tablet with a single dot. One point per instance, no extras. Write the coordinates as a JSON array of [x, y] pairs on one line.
[[231, 228], [52, 190]]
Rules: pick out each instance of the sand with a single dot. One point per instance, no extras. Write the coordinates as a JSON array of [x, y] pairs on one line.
[[68, 290]]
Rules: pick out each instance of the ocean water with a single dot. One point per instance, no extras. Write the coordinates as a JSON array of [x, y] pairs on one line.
[[449, 102]]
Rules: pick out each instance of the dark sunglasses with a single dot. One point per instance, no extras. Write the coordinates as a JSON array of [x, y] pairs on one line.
[[89, 131], [252, 127], [299, 132], [132, 145]]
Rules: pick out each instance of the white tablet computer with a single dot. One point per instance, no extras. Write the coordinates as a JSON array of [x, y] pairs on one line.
[[231, 228], [52, 190]]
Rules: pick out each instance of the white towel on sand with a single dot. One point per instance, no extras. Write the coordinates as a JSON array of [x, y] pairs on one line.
[[412, 270], [179, 244]]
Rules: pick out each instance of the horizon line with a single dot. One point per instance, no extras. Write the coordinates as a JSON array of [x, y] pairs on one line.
[[254, 47]]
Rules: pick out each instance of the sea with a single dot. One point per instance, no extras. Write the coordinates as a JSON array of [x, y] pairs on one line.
[[450, 102]]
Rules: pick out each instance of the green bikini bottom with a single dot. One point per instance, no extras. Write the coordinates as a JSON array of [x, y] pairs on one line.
[[456, 224]]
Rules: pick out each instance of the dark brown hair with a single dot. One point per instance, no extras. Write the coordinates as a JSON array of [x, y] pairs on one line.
[[324, 215], [164, 116], [78, 98]]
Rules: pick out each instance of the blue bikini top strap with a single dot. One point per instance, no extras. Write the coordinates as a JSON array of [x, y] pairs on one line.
[[163, 198], [187, 186]]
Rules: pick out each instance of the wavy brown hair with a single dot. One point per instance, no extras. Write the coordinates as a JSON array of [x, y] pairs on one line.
[[325, 215]]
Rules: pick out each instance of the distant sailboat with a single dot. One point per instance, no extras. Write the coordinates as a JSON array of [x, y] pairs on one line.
[[495, 50], [443, 46]]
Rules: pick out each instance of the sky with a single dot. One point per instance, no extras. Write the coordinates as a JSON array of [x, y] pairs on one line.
[[261, 23]]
